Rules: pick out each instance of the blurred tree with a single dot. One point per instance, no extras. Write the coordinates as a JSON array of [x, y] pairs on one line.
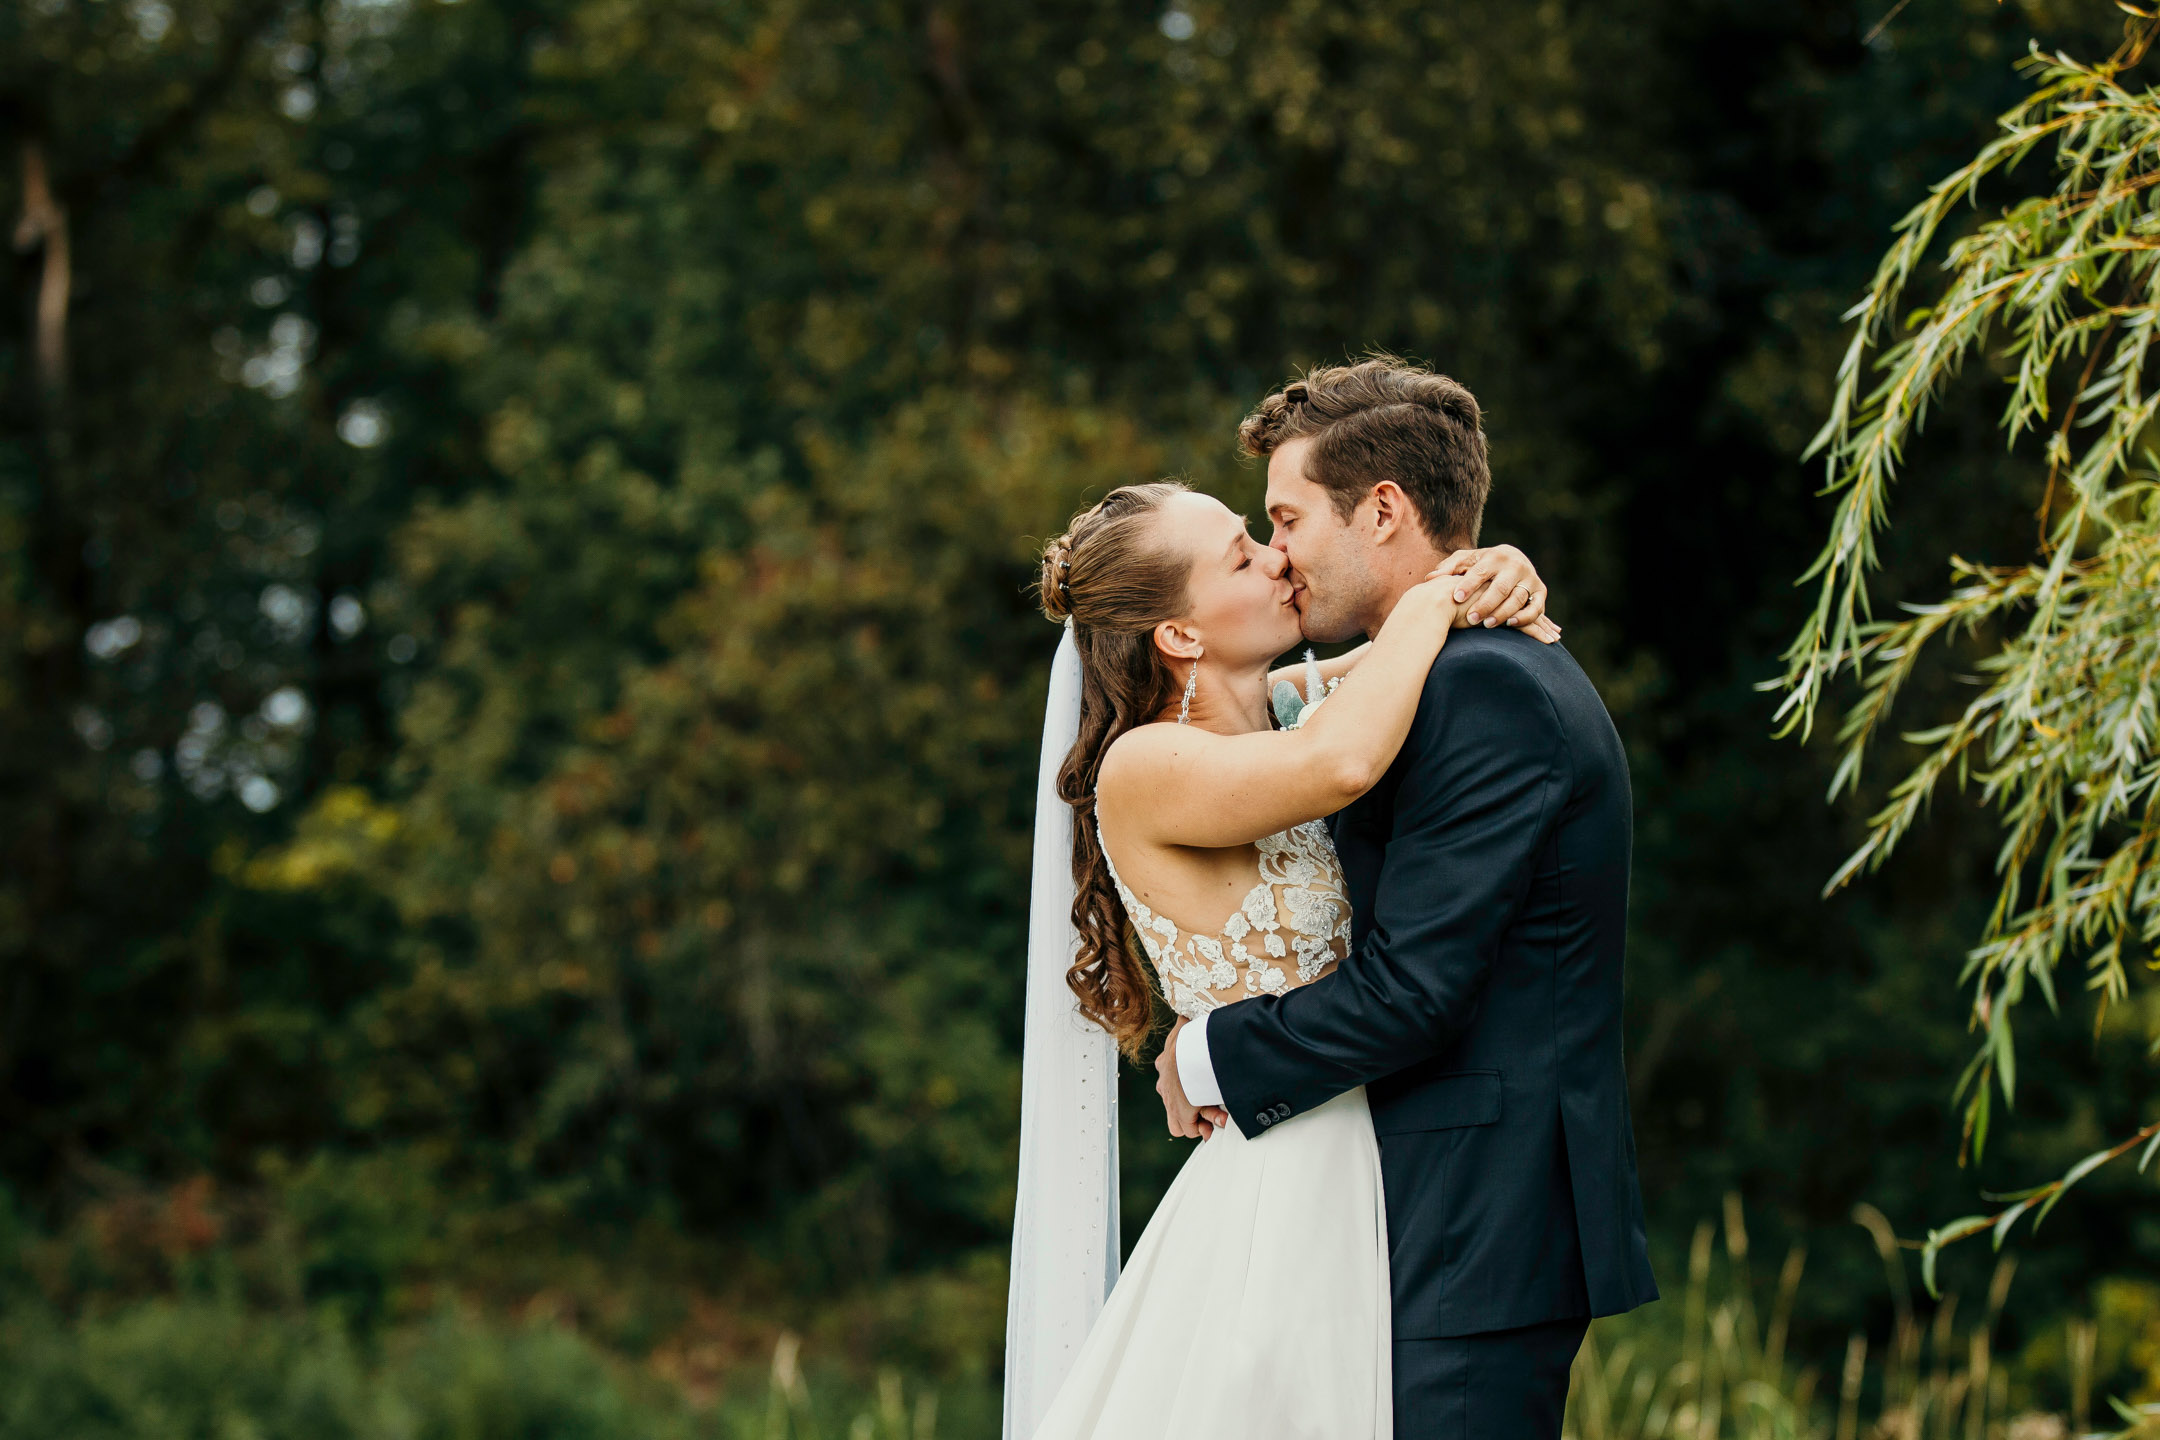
[[159, 552], [514, 649], [722, 338]]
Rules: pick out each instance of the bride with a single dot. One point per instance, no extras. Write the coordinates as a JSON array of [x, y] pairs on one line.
[[1256, 1303]]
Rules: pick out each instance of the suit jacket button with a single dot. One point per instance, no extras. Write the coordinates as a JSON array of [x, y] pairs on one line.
[[1264, 1119]]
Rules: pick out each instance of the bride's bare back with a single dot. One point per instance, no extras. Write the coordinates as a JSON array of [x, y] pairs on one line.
[[1288, 922]]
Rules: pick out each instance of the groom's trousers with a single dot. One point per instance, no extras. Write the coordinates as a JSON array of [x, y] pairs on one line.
[[1503, 1385]]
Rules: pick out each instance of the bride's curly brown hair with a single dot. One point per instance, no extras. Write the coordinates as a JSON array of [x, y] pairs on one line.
[[1115, 580]]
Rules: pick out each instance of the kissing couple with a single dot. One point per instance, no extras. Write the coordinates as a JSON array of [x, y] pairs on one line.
[[1386, 898]]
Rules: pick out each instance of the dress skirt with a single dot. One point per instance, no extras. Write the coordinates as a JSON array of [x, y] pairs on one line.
[[1255, 1306]]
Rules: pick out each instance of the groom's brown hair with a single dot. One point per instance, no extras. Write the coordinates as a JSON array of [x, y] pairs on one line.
[[1384, 419]]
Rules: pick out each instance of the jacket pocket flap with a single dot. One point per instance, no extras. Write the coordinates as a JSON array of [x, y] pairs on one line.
[[1445, 1102]]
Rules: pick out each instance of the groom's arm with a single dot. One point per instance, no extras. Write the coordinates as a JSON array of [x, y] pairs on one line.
[[1487, 771]]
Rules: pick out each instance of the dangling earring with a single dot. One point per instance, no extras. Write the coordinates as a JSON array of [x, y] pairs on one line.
[[1192, 683]]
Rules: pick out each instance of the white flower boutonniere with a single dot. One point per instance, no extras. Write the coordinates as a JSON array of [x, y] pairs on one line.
[[1292, 709]]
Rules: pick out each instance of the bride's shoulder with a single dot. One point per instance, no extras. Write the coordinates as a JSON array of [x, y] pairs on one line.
[[1138, 754]]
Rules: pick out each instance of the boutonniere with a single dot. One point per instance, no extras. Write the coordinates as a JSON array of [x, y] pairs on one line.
[[1293, 709]]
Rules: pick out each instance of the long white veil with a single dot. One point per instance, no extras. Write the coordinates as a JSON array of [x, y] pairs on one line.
[[1065, 1224]]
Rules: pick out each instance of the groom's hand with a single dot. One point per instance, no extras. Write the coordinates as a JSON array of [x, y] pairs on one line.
[[1187, 1122]]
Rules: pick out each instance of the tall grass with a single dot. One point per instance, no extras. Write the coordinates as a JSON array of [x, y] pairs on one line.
[[212, 1369], [1704, 1365], [792, 1413], [1725, 1374], [182, 1369]]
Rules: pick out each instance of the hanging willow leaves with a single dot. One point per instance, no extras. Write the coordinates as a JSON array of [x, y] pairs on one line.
[[2058, 292]]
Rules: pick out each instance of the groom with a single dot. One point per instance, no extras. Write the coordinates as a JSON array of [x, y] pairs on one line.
[[1488, 877]]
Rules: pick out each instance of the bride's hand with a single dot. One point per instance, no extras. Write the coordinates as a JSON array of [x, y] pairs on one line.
[[1430, 601], [1499, 586]]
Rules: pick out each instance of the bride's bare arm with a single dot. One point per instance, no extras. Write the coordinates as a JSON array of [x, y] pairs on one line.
[[1182, 785]]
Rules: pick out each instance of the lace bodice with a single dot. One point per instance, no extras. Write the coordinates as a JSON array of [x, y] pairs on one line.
[[1294, 921]]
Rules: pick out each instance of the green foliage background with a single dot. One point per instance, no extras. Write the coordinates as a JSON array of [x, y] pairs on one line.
[[517, 688]]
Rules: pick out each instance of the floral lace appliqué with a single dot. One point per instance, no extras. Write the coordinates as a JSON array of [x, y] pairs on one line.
[[1299, 894]]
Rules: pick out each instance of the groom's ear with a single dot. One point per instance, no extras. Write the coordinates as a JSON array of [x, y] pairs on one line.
[[1392, 510]]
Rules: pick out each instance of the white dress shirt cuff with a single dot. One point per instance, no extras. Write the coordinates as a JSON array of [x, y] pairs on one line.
[[1195, 1071]]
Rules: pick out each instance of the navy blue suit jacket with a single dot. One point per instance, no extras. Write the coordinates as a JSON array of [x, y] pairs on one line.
[[1480, 1005]]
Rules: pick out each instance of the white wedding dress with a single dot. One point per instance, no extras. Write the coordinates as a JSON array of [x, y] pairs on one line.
[[1255, 1306]]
